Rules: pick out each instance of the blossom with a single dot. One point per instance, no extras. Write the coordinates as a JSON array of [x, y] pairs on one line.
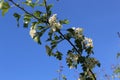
[[53, 19], [78, 29], [89, 42], [53, 23], [75, 58], [32, 32], [78, 32]]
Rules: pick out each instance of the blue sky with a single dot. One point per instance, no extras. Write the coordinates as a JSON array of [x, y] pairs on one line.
[[23, 59]]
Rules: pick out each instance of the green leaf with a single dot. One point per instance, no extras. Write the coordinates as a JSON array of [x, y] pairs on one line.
[[17, 16], [65, 21], [1, 3], [40, 27], [48, 50], [98, 64], [117, 69], [37, 39], [49, 13], [27, 19], [50, 36], [89, 50], [40, 34], [34, 24], [49, 7], [71, 31], [30, 3], [89, 78], [42, 4], [58, 55], [68, 36], [37, 14], [4, 7]]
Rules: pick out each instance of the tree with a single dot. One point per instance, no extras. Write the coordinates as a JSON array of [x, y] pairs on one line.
[[45, 21]]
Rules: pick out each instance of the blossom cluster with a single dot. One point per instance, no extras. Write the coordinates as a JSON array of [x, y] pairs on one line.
[[78, 35], [78, 32], [89, 42], [53, 23]]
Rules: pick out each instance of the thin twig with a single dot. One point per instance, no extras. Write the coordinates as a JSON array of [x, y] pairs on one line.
[[69, 42], [46, 9], [17, 5]]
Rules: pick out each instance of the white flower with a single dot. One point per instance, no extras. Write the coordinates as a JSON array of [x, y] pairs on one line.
[[52, 19], [58, 25], [78, 32], [53, 28], [89, 42], [32, 32], [53, 23]]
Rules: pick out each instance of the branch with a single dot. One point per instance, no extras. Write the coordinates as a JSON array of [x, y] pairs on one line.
[[77, 52], [48, 23], [17, 5], [46, 9], [69, 42]]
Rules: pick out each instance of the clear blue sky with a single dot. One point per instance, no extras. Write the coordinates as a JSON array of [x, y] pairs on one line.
[[23, 59]]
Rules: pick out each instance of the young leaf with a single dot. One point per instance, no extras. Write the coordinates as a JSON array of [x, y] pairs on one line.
[[48, 50], [49, 7], [37, 14], [27, 19], [58, 55], [1, 3], [65, 21], [17, 16], [37, 39], [4, 7]]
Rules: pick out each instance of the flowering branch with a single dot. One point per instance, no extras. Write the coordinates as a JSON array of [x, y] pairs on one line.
[[55, 27]]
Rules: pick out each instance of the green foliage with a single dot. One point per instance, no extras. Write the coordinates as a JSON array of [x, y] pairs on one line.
[[117, 70], [58, 55], [37, 14], [65, 21], [49, 50], [31, 3], [37, 39], [42, 21], [27, 19], [17, 16], [4, 6]]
